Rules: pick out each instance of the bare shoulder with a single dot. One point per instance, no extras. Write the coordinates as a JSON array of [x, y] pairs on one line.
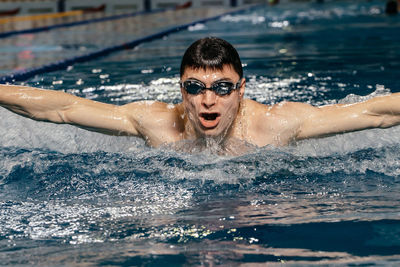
[[275, 124], [156, 122], [291, 108], [152, 108], [279, 110]]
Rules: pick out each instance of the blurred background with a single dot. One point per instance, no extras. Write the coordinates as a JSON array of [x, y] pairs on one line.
[[103, 23]]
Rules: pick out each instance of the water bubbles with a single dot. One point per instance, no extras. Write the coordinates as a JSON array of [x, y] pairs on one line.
[[253, 240], [253, 18], [147, 71], [58, 82], [166, 68], [352, 98], [89, 90], [197, 27], [375, 11], [279, 24]]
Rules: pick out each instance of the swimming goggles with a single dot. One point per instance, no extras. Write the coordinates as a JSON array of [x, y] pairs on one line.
[[195, 87]]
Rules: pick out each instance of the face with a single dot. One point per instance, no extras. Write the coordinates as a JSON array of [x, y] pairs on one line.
[[209, 113]]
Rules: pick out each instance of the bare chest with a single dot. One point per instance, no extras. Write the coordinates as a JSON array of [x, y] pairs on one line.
[[261, 131]]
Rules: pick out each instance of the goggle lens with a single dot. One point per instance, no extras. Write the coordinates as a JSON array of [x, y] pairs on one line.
[[220, 88]]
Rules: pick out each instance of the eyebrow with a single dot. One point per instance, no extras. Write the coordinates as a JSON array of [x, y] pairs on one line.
[[219, 80]]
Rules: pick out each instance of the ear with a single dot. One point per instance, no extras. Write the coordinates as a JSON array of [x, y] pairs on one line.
[[242, 87]]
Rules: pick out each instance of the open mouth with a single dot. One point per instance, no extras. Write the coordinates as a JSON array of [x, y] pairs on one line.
[[209, 120], [209, 116]]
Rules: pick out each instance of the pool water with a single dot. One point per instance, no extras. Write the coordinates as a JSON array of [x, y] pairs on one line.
[[72, 197], [21, 52]]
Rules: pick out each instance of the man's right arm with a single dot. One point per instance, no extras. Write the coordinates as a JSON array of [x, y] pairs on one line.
[[60, 107]]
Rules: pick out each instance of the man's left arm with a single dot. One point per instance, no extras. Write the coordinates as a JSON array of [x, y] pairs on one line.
[[378, 112]]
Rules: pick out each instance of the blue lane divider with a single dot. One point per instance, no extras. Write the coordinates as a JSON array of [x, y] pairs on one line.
[[64, 64], [77, 23]]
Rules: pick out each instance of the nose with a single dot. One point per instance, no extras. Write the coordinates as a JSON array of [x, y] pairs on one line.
[[209, 98]]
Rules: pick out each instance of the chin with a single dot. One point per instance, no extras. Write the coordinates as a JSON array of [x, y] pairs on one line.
[[212, 133]]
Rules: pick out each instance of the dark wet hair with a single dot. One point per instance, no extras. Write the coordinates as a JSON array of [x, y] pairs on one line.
[[211, 53], [391, 7]]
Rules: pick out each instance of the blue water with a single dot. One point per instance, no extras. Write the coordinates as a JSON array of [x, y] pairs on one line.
[[72, 197], [20, 52]]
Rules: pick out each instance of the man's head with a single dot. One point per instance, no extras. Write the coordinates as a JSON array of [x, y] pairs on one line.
[[213, 65], [211, 53]]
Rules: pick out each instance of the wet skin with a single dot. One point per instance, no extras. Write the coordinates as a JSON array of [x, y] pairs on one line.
[[205, 115], [210, 114]]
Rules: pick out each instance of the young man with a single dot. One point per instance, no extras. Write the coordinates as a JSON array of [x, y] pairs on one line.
[[213, 108]]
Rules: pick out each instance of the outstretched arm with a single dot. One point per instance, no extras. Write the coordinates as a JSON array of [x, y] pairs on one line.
[[378, 112], [60, 107]]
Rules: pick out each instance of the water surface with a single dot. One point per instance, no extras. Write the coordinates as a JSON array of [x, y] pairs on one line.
[[72, 197]]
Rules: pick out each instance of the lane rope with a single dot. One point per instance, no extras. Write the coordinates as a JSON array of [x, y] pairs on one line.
[[77, 23], [64, 64]]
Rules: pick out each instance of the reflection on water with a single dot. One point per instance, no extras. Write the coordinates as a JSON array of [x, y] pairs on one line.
[[72, 197], [270, 205], [26, 51]]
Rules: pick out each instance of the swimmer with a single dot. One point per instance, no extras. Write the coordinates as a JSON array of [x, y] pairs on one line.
[[212, 108]]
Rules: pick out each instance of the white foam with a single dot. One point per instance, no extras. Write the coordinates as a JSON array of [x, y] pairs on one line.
[[279, 18], [349, 142], [17, 131]]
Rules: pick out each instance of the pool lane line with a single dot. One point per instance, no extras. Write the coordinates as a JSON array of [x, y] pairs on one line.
[[64, 64], [41, 16], [79, 23]]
